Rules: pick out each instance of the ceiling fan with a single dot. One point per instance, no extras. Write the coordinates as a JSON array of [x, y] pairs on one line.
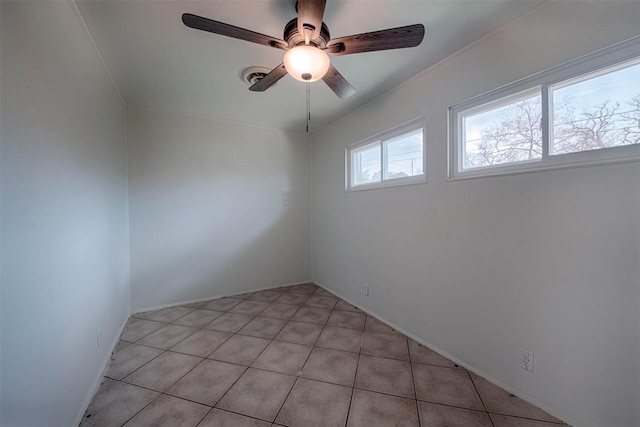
[[307, 44]]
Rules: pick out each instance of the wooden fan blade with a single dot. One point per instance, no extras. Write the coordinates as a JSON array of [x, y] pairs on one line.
[[310, 13], [338, 83], [206, 24], [392, 38], [270, 79]]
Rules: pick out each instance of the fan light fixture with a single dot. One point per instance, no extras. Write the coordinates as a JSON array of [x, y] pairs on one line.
[[306, 63]]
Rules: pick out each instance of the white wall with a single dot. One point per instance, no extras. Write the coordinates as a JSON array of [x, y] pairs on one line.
[[546, 261], [206, 207], [65, 260]]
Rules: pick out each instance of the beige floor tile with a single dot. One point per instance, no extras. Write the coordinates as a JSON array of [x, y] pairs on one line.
[[263, 327], [340, 339], [169, 314], [500, 401], [374, 325], [249, 375], [196, 304], [266, 296], [169, 411], [347, 319], [245, 295], [334, 366], [323, 293], [222, 304], [240, 349], [507, 421], [312, 315], [220, 418], [385, 345], [280, 311], [229, 322], [292, 298], [321, 302], [130, 358], [105, 383], [163, 371], [313, 403], [282, 357], [450, 386], [139, 328], [258, 394], [198, 318], [422, 354], [434, 415], [207, 382], [385, 375], [307, 289], [120, 345], [249, 307], [300, 333], [201, 343], [115, 403], [167, 336], [370, 409], [345, 306]]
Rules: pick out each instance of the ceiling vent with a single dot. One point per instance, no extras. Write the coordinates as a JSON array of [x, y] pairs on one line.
[[253, 75]]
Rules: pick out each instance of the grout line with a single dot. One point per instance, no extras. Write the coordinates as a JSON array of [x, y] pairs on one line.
[[413, 381], [233, 412], [144, 407], [139, 367], [528, 418], [480, 397], [386, 393], [285, 399], [355, 378], [205, 416], [313, 346]]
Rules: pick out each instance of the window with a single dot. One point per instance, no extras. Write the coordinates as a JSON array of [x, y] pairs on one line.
[[505, 132], [583, 112], [396, 157], [599, 110]]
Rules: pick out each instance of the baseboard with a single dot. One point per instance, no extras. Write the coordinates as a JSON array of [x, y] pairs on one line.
[[98, 379], [174, 304], [567, 420]]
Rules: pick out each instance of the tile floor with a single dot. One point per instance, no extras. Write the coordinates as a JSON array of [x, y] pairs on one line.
[[292, 356]]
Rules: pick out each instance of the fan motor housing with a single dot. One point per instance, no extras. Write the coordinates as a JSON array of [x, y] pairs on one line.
[[294, 38]]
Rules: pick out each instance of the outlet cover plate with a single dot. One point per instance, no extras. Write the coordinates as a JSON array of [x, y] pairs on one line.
[[525, 360]]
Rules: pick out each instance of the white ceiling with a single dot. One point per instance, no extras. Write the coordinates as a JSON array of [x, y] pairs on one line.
[[158, 62]]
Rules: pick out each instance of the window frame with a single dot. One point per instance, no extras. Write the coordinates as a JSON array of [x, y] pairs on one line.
[[611, 57], [380, 138]]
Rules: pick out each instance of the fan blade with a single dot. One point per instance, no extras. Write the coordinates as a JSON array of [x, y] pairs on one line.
[[206, 24], [310, 13], [338, 83], [270, 79], [392, 38]]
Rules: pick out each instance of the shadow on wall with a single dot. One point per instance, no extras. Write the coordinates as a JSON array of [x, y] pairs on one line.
[[212, 216]]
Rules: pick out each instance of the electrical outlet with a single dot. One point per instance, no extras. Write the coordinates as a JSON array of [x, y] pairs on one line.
[[365, 289], [525, 359], [99, 337]]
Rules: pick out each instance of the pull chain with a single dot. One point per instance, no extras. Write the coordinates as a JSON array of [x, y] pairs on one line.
[[308, 105]]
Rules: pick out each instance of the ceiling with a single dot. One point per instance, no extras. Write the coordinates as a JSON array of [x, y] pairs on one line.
[[158, 62]]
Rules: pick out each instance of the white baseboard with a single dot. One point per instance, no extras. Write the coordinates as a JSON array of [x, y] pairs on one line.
[[174, 304], [98, 379], [460, 362]]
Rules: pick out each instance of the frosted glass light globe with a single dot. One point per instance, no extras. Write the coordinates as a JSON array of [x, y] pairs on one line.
[[306, 63]]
